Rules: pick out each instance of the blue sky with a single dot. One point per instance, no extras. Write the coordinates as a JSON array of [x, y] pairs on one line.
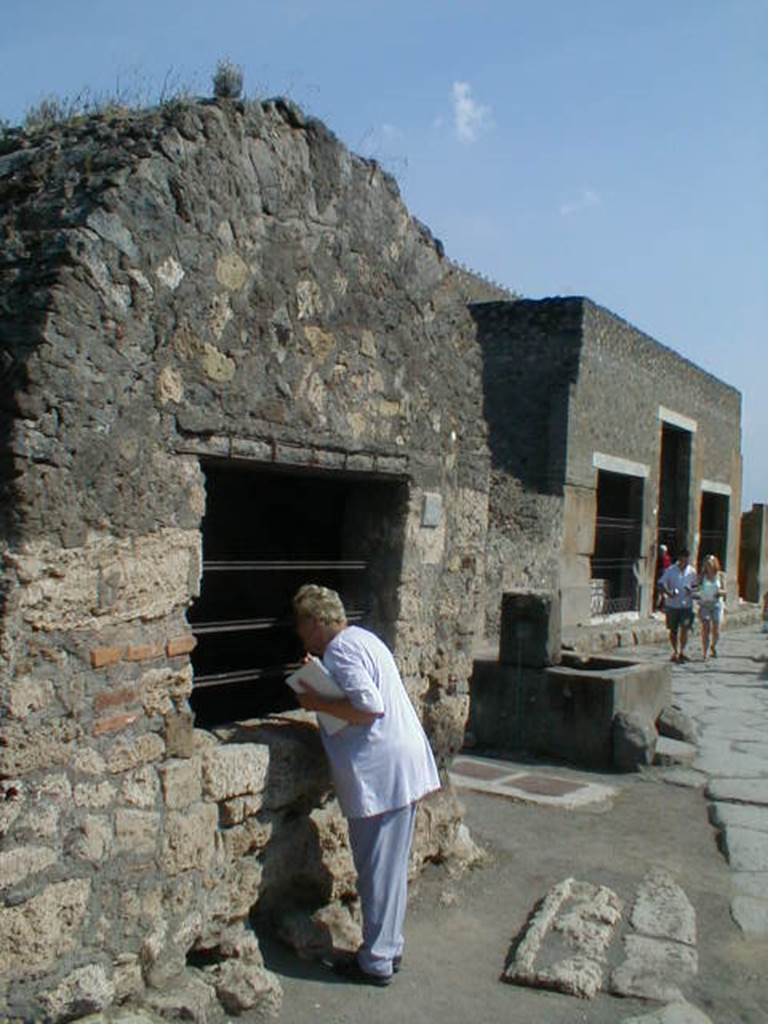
[[600, 147]]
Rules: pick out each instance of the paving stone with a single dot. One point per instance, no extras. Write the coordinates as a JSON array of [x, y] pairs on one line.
[[746, 849], [687, 777], [733, 766], [674, 752], [662, 910], [750, 914], [675, 1013], [724, 815], [750, 883], [741, 791], [654, 969]]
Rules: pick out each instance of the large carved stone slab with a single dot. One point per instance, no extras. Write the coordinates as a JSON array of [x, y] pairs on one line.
[[660, 956], [564, 943]]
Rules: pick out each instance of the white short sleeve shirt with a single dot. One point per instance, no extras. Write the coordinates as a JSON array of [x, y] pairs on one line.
[[389, 763]]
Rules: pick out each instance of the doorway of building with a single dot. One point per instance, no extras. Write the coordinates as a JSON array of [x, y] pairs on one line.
[[674, 488], [713, 526], [267, 531], [618, 543]]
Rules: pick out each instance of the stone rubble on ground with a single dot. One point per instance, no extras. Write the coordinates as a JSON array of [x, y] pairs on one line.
[[564, 943]]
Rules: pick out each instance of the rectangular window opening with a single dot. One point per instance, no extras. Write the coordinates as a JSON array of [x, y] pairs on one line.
[[618, 542], [267, 531], [674, 488], [713, 526]]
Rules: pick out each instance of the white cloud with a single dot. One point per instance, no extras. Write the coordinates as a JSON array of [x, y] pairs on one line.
[[470, 117], [587, 199]]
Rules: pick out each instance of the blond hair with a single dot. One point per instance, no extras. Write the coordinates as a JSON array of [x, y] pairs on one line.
[[319, 603], [711, 560]]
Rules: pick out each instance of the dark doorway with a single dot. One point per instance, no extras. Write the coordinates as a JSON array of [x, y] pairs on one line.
[[618, 541], [265, 533], [674, 488], [713, 526]]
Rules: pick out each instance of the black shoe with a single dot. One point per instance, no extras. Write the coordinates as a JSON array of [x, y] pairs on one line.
[[397, 963], [351, 970]]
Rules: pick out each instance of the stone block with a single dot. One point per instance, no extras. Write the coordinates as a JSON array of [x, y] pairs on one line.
[[676, 725], [634, 741], [127, 977], [107, 581], [162, 689], [662, 910], [249, 837], [654, 969], [232, 812], [34, 934], [179, 733], [243, 987], [234, 770], [89, 762], [181, 781], [674, 752], [530, 630], [125, 755], [21, 862], [86, 990], [27, 695], [190, 839], [141, 787], [96, 794], [136, 832], [190, 998], [48, 745], [92, 840]]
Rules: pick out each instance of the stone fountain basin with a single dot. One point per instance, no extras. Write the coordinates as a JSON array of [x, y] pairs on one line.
[[565, 711]]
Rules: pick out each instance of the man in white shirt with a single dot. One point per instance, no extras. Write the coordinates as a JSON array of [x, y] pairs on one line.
[[678, 583], [381, 764]]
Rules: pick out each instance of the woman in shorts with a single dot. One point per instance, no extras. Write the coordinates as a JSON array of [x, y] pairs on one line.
[[711, 594]]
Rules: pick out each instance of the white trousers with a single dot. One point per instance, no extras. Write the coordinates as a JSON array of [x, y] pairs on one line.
[[381, 847]]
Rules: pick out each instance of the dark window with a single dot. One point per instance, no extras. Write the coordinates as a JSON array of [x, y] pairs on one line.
[[265, 533], [618, 540]]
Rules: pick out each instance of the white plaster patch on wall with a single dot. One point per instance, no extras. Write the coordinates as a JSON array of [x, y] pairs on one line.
[[615, 464], [715, 487], [170, 273], [676, 419]]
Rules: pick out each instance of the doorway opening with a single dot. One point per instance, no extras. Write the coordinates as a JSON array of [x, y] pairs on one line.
[[674, 488], [267, 531], [713, 526], [618, 542]]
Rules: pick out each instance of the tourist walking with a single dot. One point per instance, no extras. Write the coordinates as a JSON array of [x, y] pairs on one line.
[[381, 764], [677, 584], [711, 597]]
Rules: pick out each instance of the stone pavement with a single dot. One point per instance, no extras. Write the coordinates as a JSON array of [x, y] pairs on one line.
[[727, 699]]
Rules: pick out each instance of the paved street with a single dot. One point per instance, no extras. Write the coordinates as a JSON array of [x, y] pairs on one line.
[[727, 698], [460, 930]]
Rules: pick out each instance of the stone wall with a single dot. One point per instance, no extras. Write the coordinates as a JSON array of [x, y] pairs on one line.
[[625, 379], [564, 381], [753, 554], [211, 279], [528, 371]]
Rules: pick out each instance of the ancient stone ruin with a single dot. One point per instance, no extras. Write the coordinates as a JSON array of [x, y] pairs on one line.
[[233, 363]]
